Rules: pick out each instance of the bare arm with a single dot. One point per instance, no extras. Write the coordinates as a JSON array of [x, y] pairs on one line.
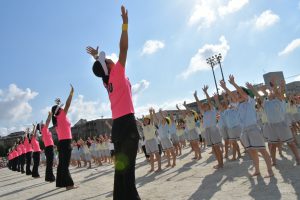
[[207, 96], [250, 87], [69, 100], [183, 113], [216, 98], [199, 104], [238, 88], [48, 119], [230, 94], [124, 37]]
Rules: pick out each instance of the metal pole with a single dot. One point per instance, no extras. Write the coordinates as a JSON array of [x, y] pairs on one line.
[[212, 67], [221, 70]]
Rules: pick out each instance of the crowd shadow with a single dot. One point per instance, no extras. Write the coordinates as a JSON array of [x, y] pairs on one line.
[[22, 189]]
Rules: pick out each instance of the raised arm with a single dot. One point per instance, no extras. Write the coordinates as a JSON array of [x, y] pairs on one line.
[[282, 89], [216, 98], [238, 88], [124, 37], [183, 113], [230, 94], [199, 104], [155, 118], [48, 119], [69, 100], [250, 87], [34, 130], [205, 88]]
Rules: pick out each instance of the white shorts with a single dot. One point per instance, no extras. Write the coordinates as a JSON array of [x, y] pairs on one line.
[[151, 146], [297, 117], [174, 138], [193, 135], [166, 143], [252, 138], [234, 133], [280, 132], [212, 136], [224, 133], [181, 138], [266, 130]]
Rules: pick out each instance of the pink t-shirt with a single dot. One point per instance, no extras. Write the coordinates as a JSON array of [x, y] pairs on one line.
[[119, 90], [15, 154], [63, 127], [35, 145], [9, 156], [19, 149], [47, 137], [28, 145], [23, 148]]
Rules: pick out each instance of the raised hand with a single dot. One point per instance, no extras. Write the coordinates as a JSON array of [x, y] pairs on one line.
[[93, 52], [195, 93], [72, 89], [205, 88], [216, 96], [184, 103], [223, 84], [231, 79], [249, 85], [124, 15]]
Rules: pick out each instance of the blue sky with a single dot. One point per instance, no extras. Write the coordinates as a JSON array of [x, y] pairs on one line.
[[43, 50]]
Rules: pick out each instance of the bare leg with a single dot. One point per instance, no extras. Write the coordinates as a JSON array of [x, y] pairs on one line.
[[273, 154], [294, 149], [158, 158], [254, 156], [267, 159]]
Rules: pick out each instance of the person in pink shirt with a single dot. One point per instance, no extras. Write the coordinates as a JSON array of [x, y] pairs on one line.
[[9, 157], [125, 134], [48, 143], [15, 158], [36, 153], [28, 150], [63, 129], [21, 152]]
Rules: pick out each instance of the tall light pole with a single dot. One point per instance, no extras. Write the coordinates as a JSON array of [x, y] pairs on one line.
[[218, 59], [212, 63]]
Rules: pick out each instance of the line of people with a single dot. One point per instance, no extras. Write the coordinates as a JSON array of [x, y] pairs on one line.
[[235, 119]]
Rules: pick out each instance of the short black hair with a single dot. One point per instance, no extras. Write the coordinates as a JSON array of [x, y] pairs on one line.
[[99, 72]]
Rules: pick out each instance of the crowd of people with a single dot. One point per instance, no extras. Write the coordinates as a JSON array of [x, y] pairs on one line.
[[247, 118]]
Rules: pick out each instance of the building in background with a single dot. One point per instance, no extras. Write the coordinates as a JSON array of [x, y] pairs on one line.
[[268, 77], [293, 88]]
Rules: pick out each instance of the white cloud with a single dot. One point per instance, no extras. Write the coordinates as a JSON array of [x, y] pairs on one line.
[[290, 47], [152, 46], [139, 87], [232, 6], [297, 78], [203, 14], [15, 108], [265, 20], [14, 104], [82, 109], [198, 61], [113, 57]]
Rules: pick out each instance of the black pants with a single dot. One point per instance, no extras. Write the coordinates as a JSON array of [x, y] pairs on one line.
[[125, 137], [28, 163], [49, 164], [19, 163], [22, 162], [14, 163], [36, 163], [63, 176]]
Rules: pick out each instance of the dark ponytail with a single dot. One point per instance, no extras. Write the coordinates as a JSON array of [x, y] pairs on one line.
[[54, 120]]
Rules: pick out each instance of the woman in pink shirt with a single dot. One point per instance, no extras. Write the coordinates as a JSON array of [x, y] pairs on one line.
[[21, 152], [28, 150], [48, 142], [63, 129], [36, 154], [15, 158], [125, 135]]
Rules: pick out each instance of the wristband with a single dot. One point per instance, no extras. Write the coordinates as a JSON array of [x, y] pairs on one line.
[[124, 27]]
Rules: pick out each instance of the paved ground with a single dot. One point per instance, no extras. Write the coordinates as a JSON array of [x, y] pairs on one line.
[[188, 180]]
